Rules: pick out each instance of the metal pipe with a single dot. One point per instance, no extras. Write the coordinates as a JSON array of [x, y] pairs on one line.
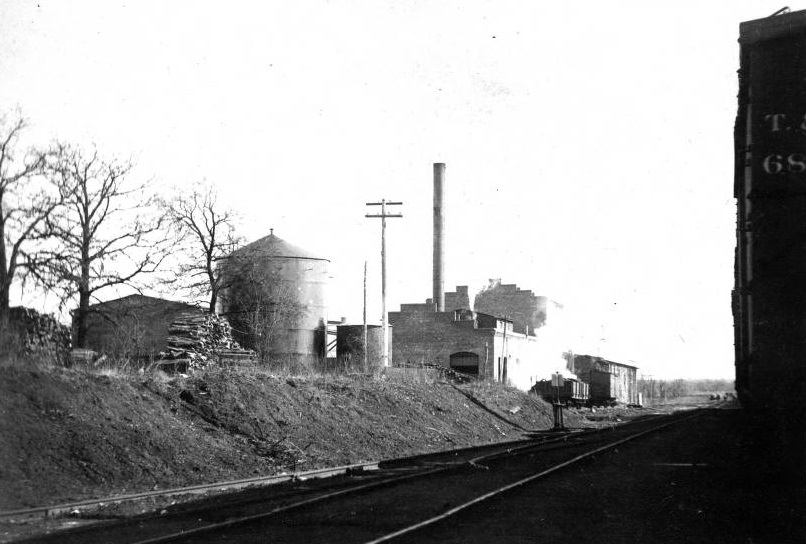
[[439, 235]]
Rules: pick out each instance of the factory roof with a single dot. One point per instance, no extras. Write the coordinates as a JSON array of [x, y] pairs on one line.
[[596, 360], [273, 246], [781, 25]]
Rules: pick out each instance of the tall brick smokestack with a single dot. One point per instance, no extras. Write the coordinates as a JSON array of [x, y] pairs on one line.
[[439, 236]]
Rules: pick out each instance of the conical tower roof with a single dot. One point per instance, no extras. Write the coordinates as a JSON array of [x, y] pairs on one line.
[[273, 246]]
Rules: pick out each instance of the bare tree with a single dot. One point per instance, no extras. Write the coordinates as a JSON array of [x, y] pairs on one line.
[[107, 233], [205, 233], [25, 203]]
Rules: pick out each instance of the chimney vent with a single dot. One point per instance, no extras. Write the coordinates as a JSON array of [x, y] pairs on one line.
[[439, 237]]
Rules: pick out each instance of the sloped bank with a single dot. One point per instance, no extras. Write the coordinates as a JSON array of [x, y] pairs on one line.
[[68, 434]]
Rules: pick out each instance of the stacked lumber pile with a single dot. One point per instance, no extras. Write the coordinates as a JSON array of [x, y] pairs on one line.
[[41, 336], [83, 356], [198, 339]]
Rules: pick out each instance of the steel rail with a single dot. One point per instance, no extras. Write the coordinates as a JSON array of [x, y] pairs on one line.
[[443, 467], [355, 489], [541, 474], [53, 510], [517, 447], [280, 509], [200, 488]]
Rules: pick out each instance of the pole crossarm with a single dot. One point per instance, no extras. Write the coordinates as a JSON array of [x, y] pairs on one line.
[[385, 318]]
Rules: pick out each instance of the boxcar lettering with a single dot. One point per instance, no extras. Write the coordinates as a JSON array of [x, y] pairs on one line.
[[775, 121], [796, 163], [773, 164]]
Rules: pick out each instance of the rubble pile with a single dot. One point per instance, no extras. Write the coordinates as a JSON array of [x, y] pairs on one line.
[[41, 335], [199, 339], [444, 372]]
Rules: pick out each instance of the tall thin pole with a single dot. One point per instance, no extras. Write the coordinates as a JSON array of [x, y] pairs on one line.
[[384, 315], [438, 273], [384, 318], [364, 335]]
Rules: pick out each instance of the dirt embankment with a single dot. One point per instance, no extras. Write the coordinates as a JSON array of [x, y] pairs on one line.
[[67, 435]]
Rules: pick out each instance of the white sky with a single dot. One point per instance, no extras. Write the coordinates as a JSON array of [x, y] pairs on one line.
[[588, 144]]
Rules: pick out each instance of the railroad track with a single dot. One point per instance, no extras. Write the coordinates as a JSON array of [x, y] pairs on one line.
[[58, 509], [363, 501], [89, 505]]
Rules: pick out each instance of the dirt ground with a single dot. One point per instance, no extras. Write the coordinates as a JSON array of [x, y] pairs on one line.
[[71, 434]]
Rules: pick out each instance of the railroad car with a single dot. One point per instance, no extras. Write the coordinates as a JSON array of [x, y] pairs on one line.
[[572, 393], [769, 295], [602, 388]]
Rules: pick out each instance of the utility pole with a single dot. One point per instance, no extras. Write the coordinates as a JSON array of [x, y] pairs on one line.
[[364, 334], [382, 216]]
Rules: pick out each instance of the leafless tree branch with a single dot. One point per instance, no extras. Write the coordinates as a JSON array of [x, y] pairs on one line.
[[107, 234], [25, 204], [206, 234]]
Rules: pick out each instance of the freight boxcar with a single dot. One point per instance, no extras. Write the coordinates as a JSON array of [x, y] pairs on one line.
[[769, 296], [610, 382], [572, 393], [602, 387]]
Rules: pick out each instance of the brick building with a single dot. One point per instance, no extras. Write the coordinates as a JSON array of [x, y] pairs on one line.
[[495, 339], [527, 310], [468, 341], [456, 300]]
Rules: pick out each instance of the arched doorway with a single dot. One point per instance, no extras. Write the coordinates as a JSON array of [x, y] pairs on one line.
[[466, 362]]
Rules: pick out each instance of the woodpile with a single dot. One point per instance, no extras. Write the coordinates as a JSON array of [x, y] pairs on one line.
[[41, 335], [201, 339], [83, 357]]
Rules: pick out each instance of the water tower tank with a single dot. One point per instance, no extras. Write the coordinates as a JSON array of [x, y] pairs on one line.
[[274, 295]]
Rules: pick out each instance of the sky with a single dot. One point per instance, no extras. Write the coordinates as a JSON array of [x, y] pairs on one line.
[[588, 145]]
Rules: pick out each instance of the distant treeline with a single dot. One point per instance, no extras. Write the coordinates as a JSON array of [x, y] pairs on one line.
[[652, 388]]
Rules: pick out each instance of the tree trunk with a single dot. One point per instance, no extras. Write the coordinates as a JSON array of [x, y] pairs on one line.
[[4, 301], [213, 283], [81, 318], [83, 293], [213, 300], [5, 277]]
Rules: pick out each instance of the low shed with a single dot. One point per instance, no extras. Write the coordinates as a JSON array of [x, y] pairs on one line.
[[135, 325]]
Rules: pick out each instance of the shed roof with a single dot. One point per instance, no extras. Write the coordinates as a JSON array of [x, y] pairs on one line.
[[600, 360], [784, 25], [491, 316], [274, 246], [138, 299]]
